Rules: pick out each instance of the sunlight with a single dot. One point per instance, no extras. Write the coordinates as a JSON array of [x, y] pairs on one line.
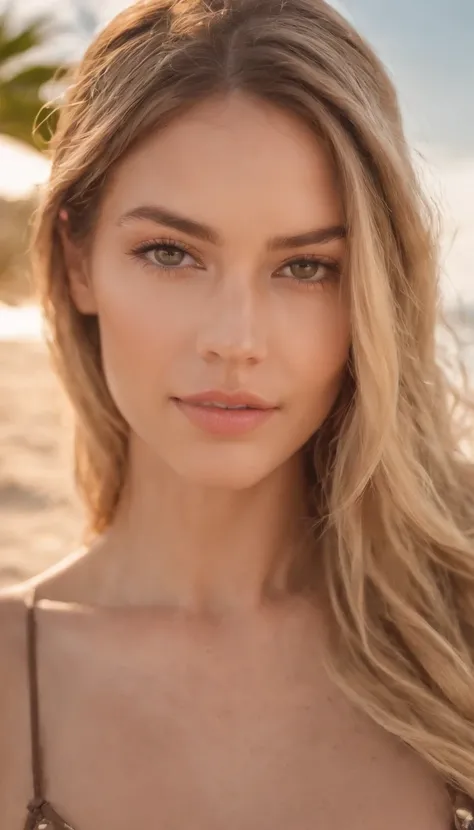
[[21, 168]]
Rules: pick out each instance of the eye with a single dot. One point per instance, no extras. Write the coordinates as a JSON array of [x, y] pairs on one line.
[[164, 254], [311, 270]]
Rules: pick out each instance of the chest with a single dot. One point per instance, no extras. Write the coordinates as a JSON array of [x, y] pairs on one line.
[[192, 737]]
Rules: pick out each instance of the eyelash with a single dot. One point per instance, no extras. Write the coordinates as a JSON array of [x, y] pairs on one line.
[[140, 251]]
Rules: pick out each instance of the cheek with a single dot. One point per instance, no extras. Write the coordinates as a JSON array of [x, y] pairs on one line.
[[140, 333], [319, 351]]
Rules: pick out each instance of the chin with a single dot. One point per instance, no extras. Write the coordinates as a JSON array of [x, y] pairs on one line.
[[235, 470]]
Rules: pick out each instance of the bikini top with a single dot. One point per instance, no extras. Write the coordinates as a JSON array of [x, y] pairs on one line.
[[43, 816]]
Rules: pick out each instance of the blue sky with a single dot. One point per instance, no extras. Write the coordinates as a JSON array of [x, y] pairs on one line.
[[427, 45]]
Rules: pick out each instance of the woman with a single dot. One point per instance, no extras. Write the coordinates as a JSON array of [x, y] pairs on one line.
[[270, 624]]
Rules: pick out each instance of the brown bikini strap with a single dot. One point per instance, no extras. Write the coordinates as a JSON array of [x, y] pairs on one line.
[[36, 756], [40, 812]]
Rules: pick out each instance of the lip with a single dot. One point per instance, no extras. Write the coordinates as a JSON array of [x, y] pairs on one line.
[[225, 422], [240, 398]]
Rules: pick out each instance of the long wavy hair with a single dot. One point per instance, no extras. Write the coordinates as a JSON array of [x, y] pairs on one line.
[[391, 490]]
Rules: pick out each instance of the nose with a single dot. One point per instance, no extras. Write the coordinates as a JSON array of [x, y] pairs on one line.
[[234, 330]]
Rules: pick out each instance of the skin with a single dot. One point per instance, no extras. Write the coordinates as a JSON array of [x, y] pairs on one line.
[[214, 522], [182, 675]]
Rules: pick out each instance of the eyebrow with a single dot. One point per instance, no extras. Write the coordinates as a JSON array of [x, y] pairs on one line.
[[163, 216]]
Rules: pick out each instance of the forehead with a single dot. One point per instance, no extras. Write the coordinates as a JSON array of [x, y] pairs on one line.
[[229, 160]]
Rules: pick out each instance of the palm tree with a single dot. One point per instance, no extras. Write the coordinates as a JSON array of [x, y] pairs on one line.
[[22, 107]]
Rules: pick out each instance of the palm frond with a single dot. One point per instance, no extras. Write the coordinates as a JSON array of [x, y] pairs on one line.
[[13, 46], [24, 114]]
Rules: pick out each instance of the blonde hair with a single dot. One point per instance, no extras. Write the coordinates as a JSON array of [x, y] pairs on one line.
[[393, 496]]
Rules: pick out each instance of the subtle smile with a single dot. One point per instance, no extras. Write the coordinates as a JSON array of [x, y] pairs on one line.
[[223, 413]]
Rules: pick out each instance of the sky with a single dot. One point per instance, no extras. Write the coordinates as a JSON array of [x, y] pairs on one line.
[[428, 48], [428, 45]]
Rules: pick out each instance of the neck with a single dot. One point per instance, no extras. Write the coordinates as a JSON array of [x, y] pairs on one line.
[[203, 550]]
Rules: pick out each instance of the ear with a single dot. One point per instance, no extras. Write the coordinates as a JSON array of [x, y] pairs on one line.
[[78, 274]]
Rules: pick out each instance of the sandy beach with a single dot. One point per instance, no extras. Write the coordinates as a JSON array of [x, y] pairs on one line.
[[40, 517]]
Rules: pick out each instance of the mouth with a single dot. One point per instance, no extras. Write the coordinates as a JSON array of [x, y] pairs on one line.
[[222, 413], [218, 399]]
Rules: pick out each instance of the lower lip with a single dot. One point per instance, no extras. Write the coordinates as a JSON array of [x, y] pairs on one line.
[[220, 421]]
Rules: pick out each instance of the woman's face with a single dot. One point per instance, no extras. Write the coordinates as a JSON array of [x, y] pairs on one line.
[[200, 288]]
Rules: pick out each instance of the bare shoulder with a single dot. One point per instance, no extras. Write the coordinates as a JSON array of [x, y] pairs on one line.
[[15, 774]]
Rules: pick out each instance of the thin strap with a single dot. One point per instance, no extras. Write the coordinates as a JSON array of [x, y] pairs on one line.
[[40, 812], [36, 752]]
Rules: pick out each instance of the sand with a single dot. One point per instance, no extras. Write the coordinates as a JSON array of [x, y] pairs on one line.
[[40, 515]]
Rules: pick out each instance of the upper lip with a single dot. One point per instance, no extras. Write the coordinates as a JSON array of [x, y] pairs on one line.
[[240, 398]]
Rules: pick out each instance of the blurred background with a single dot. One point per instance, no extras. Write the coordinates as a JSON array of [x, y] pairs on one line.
[[428, 47]]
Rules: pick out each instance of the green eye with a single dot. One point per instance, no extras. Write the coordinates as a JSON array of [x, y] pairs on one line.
[[311, 270]]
